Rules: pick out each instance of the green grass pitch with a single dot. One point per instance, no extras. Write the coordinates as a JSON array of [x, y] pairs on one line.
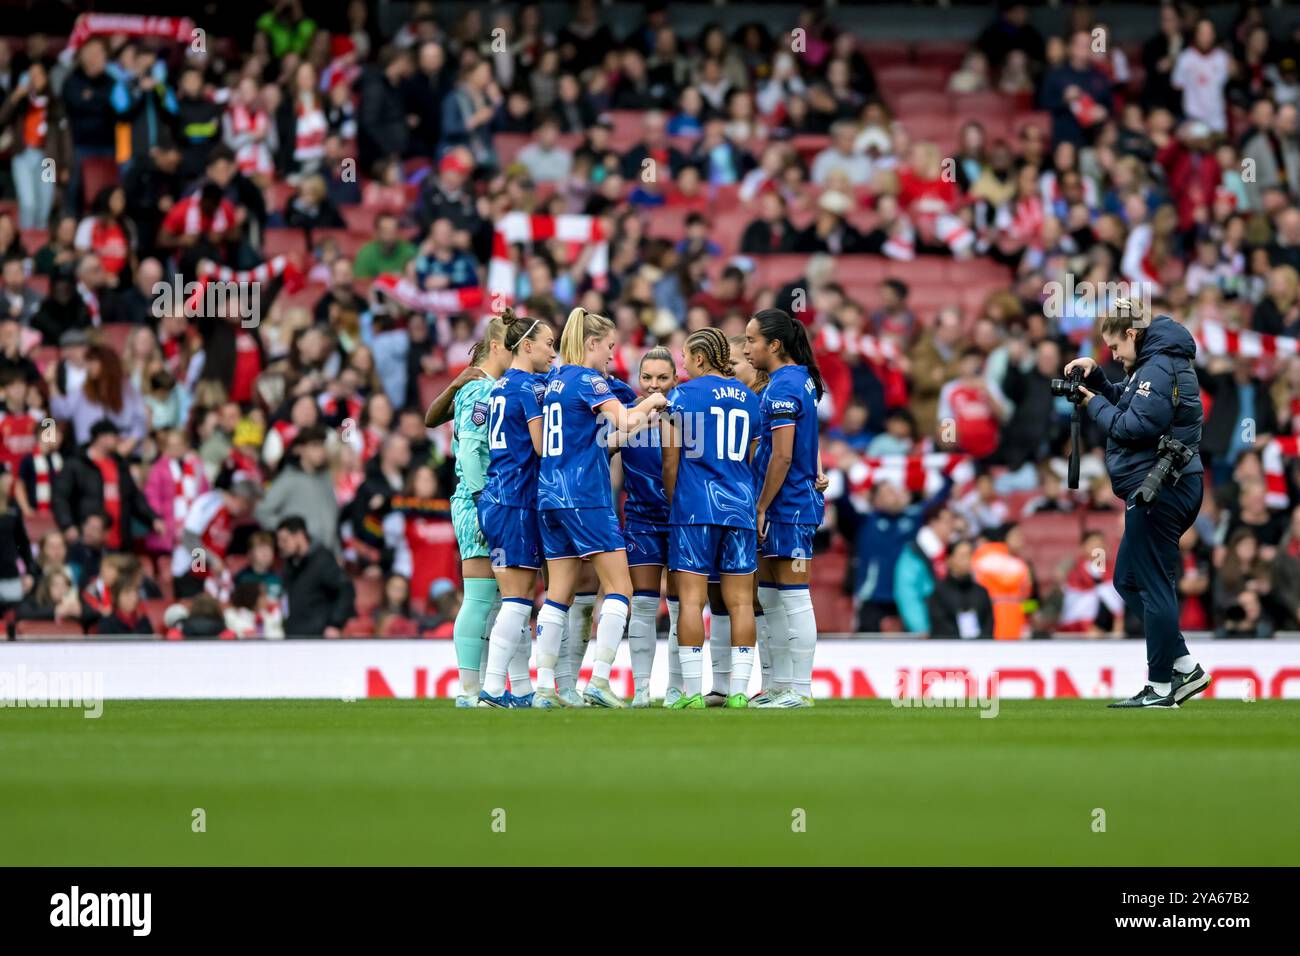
[[417, 782]]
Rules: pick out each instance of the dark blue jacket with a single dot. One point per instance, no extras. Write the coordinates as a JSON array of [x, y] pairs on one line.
[[881, 538], [1135, 413]]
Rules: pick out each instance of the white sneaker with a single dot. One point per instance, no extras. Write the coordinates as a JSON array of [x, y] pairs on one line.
[[546, 699], [466, 700], [761, 698], [641, 698], [784, 699], [570, 697], [671, 696], [600, 694]]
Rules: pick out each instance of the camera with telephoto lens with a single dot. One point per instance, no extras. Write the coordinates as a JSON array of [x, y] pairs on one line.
[[1070, 387], [1173, 458]]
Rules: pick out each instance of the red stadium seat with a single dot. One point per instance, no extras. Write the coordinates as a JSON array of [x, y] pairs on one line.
[[44, 355], [48, 631], [922, 102], [359, 627], [508, 146], [369, 593], [886, 53], [155, 609], [894, 80], [941, 54], [987, 107], [277, 242], [629, 129], [114, 335], [97, 172], [431, 386], [38, 524], [360, 219]]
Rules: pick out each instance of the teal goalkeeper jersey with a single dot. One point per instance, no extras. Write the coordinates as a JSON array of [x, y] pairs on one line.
[[469, 437]]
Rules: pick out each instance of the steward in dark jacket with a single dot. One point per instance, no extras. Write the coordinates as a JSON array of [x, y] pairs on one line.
[[955, 596], [318, 592]]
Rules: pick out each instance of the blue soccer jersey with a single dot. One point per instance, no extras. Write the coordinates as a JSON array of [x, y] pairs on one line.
[[790, 401], [717, 420], [514, 401], [575, 453], [643, 479]]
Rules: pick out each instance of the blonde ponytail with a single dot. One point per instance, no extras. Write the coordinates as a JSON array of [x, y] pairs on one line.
[[581, 325], [495, 332]]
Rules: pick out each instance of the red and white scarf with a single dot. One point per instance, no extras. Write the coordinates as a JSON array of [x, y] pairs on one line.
[[279, 266], [833, 339], [91, 299], [177, 29], [923, 473], [185, 480], [521, 228], [45, 468], [351, 407], [1273, 460], [252, 155], [309, 132], [434, 302], [1217, 339]]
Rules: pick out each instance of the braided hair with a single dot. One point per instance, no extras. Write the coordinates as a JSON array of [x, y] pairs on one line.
[[713, 345], [777, 326]]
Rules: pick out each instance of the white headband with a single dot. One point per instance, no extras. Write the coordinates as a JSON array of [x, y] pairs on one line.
[[528, 333]]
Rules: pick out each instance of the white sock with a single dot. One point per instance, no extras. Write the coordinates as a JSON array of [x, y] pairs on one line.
[[742, 665], [1163, 690], [720, 653], [577, 654], [551, 621], [511, 619], [573, 646], [764, 652], [674, 661], [483, 650], [1185, 664], [521, 681], [609, 632], [802, 621], [778, 637], [692, 659], [641, 636], [563, 664]]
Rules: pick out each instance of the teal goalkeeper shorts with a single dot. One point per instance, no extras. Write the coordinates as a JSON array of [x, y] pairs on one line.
[[464, 518]]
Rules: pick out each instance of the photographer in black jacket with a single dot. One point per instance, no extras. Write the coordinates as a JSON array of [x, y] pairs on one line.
[[1158, 397]]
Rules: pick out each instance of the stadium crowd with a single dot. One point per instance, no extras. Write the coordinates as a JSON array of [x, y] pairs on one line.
[[181, 470]]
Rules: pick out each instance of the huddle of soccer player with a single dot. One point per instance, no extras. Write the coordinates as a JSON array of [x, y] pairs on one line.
[[723, 494]]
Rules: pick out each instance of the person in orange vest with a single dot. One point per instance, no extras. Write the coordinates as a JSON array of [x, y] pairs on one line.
[[1007, 578]]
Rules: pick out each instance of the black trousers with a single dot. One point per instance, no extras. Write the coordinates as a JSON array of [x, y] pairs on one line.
[[1148, 565]]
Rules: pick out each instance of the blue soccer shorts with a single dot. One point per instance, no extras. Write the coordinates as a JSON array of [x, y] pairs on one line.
[[712, 549], [579, 532]]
